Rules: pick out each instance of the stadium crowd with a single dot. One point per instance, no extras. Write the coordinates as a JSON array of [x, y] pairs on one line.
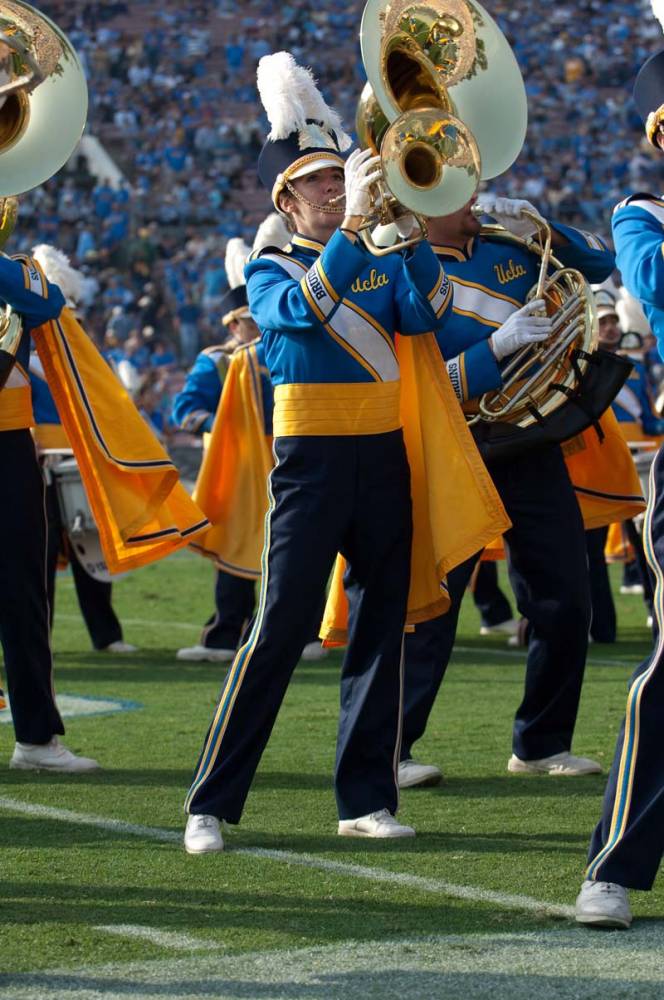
[[174, 104]]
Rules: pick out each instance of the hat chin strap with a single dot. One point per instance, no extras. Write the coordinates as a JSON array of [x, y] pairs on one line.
[[328, 209]]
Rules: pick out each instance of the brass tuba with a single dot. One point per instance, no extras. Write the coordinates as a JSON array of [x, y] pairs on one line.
[[554, 390], [445, 103], [538, 378], [43, 109]]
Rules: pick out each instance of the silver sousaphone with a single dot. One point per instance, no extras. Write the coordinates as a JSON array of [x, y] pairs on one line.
[[43, 109], [445, 105]]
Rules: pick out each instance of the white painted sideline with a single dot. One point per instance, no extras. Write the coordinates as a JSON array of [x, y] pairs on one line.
[[416, 882], [163, 939]]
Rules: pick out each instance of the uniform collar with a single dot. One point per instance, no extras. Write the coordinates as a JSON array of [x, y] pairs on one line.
[[454, 253], [305, 243]]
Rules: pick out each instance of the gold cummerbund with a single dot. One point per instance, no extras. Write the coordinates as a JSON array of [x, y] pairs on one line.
[[50, 437], [336, 408], [16, 408]]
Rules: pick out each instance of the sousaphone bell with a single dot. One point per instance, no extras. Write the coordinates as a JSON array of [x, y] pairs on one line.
[[445, 104], [43, 109]]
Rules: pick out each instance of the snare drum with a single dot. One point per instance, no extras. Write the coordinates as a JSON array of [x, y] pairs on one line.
[[77, 519]]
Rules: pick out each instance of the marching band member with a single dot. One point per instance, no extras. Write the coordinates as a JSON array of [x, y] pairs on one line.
[[194, 410], [141, 509], [230, 474], [628, 842], [328, 316], [546, 545], [24, 612], [94, 595]]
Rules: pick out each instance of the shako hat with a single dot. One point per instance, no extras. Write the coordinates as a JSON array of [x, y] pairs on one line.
[[605, 303], [305, 135], [649, 85], [271, 232]]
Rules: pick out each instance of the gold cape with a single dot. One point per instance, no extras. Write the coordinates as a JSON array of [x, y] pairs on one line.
[[456, 507], [232, 483], [142, 511], [604, 478]]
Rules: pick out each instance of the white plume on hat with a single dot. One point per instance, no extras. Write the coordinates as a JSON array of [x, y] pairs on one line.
[[55, 265], [272, 232], [237, 255], [658, 11], [291, 97]]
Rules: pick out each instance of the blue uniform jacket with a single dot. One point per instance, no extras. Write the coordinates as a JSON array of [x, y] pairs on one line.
[[43, 404], [329, 314], [638, 233], [491, 280], [633, 404], [195, 406], [29, 294]]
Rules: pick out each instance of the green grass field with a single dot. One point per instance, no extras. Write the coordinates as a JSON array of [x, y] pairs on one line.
[[475, 906]]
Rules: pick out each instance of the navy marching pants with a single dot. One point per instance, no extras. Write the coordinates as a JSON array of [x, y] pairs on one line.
[[328, 495], [24, 617], [234, 599], [603, 622], [94, 596], [628, 842], [549, 574], [493, 606]]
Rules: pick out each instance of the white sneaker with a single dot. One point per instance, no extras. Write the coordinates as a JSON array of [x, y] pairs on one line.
[[379, 824], [51, 756], [199, 653], [119, 646], [649, 621], [603, 904], [510, 627], [412, 774], [203, 835], [314, 651], [631, 588], [558, 764]]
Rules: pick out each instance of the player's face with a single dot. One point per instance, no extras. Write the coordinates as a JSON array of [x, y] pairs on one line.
[[609, 332], [244, 330], [458, 227], [319, 187]]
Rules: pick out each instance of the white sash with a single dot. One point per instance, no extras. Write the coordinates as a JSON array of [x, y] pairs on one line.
[[356, 332]]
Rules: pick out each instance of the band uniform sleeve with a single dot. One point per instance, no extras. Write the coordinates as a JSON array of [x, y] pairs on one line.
[[650, 422], [279, 302], [472, 372], [424, 292], [585, 252], [195, 405], [26, 290], [639, 240]]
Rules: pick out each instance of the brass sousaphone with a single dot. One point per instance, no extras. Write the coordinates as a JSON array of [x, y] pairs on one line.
[[445, 104], [43, 109], [554, 390]]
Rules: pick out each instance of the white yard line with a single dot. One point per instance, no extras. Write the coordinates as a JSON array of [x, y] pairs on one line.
[[163, 939], [518, 654], [567, 963], [521, 654], [416, 882], [136, 621]]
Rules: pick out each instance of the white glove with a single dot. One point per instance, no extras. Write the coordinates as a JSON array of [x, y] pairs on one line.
[[361, 171], [520, 329], [405, 225], [508, 213]]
